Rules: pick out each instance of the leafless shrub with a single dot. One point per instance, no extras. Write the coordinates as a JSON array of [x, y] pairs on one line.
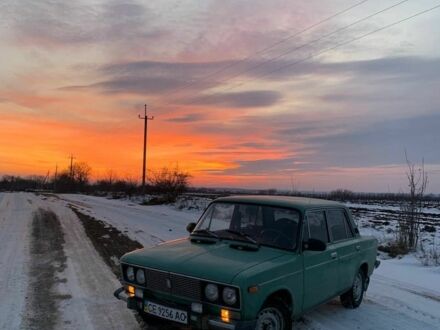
[[393, 249], [169, 182], [411, 209]]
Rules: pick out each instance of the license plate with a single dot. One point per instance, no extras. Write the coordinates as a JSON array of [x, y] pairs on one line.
[[167, 313]]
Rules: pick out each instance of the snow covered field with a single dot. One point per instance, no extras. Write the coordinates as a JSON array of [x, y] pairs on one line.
[[402, 294]]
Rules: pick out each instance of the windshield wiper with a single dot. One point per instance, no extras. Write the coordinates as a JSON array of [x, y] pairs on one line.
[[244, 235], [205, 232]]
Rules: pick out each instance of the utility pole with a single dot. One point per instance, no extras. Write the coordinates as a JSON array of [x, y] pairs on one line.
[[71, 166], [144, 167], [55, 178]]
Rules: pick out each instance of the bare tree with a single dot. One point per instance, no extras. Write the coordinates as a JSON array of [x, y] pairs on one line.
[[110, 177], [409, 222], [73, 179], [81, 173]]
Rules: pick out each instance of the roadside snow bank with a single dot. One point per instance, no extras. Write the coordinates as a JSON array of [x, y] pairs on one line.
[[149, 225]]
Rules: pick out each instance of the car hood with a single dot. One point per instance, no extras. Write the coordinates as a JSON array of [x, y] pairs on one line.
[[216, 262]]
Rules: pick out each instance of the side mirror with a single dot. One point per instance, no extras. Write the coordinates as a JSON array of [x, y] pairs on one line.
[[190, 227], [314, 245]]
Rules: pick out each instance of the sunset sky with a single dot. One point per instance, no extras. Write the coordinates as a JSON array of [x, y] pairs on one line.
[[240, 95]]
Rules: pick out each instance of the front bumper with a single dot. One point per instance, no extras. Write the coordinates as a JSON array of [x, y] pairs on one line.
[[197, 321], [239, 325], [121, 294]]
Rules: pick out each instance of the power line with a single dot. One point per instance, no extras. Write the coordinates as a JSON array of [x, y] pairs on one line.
[[71, 157], [270, 60], [264, 50], [346, 42], [314, 41]]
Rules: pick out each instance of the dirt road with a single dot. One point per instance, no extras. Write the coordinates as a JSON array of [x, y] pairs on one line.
[[15, 225], [81, 292]]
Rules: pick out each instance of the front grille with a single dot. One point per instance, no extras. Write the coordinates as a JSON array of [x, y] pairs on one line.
[[177, 285], [174, 284], [157, 280], [185, 287]]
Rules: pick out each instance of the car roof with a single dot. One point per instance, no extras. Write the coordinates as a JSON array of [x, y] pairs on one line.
[[300, 203]]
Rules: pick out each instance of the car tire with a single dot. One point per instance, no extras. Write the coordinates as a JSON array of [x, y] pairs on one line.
[[274, 316], [353, 297]]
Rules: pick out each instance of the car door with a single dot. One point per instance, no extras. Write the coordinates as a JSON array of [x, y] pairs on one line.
[[344, 243], [320, 267]]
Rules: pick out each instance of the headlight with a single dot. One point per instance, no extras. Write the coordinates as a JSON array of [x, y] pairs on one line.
[[130, 274], [140, 276], [211, 292], [229, 296]]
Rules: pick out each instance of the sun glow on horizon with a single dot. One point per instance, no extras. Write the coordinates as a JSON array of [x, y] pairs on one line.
[[76, 75]]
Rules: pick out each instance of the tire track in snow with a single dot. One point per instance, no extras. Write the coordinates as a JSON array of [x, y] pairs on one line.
[[90, 281], [15, 215], [414, 289], [47, 260]]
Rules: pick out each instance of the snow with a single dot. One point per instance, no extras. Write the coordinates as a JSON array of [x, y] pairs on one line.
[[427, 210], [15, 215], [149, 225], [89, 281], [402, 295], [409, 270]]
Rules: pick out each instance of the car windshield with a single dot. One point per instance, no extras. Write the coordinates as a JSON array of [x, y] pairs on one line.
[[257, 224]]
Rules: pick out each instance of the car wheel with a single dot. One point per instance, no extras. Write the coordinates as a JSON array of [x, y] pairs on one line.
[[353, 297], [274, 316]]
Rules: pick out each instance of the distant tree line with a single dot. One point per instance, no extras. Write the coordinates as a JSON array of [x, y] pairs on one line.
[[18, 183], [341, 195], [169, 183], [348, 195]]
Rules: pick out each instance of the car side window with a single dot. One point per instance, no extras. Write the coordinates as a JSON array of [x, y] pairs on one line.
[[250, 215], [317, 227], [338, 225]]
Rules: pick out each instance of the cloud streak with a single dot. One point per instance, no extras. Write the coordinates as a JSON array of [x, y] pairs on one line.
[[248, 99], [188, 118], [177, 78]]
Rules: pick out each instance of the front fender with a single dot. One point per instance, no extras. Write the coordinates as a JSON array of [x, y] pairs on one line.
[[283, 274]]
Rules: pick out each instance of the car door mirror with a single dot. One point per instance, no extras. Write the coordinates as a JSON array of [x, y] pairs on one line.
[[190, 227], [314, 245]]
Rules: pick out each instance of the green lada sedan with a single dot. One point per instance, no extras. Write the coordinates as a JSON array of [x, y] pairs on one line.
[[251, 262]]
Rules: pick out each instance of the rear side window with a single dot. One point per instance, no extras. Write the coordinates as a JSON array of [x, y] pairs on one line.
[[338, 226], [285, 214], [317, 227]]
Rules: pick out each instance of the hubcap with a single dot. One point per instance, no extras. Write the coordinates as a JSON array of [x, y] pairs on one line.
[[270, 319], [357, 287]]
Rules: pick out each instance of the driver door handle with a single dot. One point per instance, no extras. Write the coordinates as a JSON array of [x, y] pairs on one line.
[[334, 255]]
